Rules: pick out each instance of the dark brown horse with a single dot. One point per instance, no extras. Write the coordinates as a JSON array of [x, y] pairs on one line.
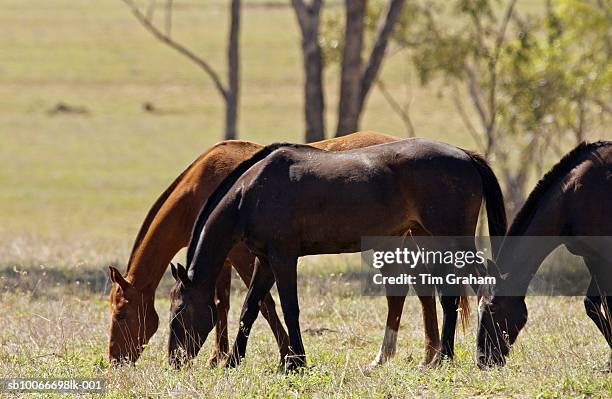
[[292, 200], [572, 201], [167, 228]]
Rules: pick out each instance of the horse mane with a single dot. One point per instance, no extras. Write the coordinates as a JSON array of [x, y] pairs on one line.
[[215, 198], [144, 228], [562, 168]]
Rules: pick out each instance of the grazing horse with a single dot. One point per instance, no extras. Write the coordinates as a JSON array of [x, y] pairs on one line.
[[572, 201], [167, 228], [292, 200]]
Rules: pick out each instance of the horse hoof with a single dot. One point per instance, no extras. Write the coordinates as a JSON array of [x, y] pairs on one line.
[[294, 363]]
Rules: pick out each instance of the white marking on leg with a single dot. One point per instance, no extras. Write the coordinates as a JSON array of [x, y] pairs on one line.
[[387, 349]]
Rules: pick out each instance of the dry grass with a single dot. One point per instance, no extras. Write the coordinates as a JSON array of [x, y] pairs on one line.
[[51, 330], [90, 178]]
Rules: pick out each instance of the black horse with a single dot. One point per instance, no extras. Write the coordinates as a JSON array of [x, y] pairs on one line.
[[293, 200], [572, 202]]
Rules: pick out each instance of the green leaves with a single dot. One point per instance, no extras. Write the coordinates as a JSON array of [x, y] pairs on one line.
[[527, 86]]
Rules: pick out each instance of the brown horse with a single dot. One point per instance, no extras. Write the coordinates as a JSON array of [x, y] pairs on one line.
[[290, 200], [572, 201], [167, 228]]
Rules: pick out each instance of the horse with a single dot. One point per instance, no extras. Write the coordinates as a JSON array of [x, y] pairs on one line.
[[571, 202], [293, 200], [167, 228]]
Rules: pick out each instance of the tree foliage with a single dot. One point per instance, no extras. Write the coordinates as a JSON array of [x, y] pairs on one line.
[[527, 87]]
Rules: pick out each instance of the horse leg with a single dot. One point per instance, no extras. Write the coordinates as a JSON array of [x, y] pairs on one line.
[[453, 214], [395, 305], [222, 296], [592, 306], [450, 304], [450, 299], [430, 323], [262, 282], [243, 261], [608, 314], [284, 267], [593, 302]]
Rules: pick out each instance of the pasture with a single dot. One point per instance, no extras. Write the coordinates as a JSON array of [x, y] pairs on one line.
[[75, 187], [50, 330]]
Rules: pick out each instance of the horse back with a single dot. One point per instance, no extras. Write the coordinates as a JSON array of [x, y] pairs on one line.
[[335, 198]]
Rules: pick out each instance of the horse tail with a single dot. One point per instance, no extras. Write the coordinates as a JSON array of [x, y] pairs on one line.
[[215, 198], [496, 209], [464, 311]]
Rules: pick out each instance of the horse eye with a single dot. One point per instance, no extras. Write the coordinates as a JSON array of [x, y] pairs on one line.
[[120, 316]]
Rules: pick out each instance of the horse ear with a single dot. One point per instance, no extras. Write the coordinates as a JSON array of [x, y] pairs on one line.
[[174, 271], [116, 277], [181, 272]]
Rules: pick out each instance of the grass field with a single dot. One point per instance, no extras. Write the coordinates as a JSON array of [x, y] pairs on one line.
[[76, 187], [107, 167], [54, 331]]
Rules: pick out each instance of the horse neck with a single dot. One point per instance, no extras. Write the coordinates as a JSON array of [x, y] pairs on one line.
[[217, 238], [520, 255], [168, 233]]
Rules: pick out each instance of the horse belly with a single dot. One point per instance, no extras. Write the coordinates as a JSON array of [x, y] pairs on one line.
[[338, 224]]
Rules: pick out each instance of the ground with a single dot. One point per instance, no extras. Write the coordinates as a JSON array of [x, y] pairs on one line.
[[76, 186]]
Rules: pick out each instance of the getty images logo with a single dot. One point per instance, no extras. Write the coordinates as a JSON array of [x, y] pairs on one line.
[[412, 258]]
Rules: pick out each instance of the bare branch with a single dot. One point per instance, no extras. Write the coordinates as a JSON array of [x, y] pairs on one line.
[[474, 91], [301, 11], [304, 11], [493, 75], [395, 106], [479, 33], [499, 41], [166, 39], [466, 119], [384, 31], [504, 28]]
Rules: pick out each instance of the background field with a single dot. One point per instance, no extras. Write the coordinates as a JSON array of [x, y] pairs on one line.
[[74, 189]]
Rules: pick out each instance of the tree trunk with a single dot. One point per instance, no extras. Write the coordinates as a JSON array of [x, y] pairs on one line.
[[355, 82], [383, 33], [350, 80], [314, 103], [233, 61]]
